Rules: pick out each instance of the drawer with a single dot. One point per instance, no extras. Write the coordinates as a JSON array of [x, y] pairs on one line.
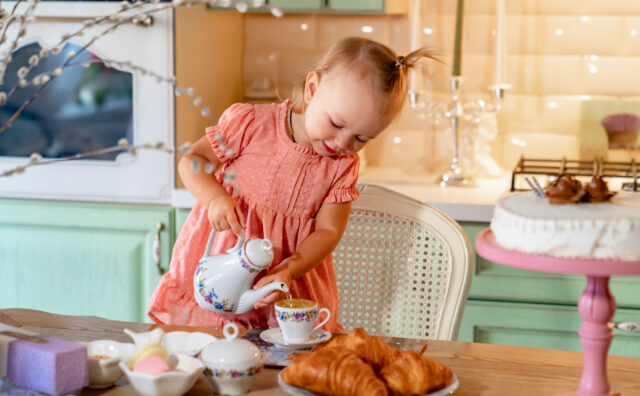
[[539, 326]]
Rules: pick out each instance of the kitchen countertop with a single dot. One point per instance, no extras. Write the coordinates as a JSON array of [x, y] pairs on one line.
[[461, 203]]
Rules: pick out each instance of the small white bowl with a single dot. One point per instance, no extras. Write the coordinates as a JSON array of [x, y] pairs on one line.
[[103, 373], [188, 343], [173, 383]]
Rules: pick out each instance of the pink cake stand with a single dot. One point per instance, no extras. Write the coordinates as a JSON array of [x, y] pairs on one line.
[[596, 304]]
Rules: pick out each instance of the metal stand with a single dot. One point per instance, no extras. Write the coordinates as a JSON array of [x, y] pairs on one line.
[[455, 176], [437, 111]]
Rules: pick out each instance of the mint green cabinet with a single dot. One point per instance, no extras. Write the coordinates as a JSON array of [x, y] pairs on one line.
[[181, 217], [357, 5], [369, 6], [538, 325], [330, 6], [81, 258], [298, 5], [518, 307]]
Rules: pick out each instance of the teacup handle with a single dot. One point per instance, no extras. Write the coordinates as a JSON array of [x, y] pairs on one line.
[[324, 321], [207, 250]]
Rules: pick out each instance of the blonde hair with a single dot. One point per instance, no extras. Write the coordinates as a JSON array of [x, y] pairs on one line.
[[388, 71]]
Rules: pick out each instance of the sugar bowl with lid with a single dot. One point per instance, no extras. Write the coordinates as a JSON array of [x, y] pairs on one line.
[[232, 362]]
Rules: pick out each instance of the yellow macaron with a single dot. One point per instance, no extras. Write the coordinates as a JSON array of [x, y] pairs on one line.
[[149, 350]]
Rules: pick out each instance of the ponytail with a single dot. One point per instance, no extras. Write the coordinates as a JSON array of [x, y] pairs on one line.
[[389, 72]]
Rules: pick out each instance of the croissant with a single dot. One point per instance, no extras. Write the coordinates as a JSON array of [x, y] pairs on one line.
[[334, 371], [371, 349], [412, 374]]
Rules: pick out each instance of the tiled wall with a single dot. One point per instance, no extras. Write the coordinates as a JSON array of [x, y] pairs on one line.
[[560, 53]]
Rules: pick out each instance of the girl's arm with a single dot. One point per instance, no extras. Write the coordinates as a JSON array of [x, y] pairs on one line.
[[331, 221], [223, 212]]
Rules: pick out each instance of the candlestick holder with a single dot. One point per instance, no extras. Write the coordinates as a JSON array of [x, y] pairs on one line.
[[437, 111]]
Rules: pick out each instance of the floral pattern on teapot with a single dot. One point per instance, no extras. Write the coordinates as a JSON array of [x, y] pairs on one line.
[[247, 265], [209, 296]]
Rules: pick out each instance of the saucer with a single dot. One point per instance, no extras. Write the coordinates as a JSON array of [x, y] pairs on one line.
[[274, 336]]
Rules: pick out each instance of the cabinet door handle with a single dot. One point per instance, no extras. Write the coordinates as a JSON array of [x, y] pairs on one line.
[[157, 248], [627, 326]]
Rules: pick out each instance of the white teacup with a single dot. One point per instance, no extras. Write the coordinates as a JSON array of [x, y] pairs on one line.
[[296, 318]]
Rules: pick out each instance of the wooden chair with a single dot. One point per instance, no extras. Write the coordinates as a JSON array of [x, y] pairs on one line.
[[403, 268]]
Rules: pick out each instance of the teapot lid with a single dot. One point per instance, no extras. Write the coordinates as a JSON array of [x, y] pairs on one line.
[[232, 352], [259, 252]]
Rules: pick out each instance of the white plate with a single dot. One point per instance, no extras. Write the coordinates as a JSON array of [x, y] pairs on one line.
[[295, 391], [188, 343], [274, 336]]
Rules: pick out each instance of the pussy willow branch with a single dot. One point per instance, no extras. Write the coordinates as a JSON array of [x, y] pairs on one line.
[[35, 95], [124, 8], [205, 112], [10, 19], [20, 83], [126, 65], [36, 160], [87, 24], [24, 20], [240, 6]]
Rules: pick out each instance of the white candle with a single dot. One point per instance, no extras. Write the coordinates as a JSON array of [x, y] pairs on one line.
[[414, 43], [500, 47]]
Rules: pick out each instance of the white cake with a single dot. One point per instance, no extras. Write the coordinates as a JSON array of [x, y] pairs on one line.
[[610, 230]]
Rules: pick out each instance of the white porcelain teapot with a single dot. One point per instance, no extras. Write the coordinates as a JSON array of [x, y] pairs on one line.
[[222, 283]]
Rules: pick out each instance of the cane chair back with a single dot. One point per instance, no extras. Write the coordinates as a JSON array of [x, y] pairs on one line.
[[403, 268]]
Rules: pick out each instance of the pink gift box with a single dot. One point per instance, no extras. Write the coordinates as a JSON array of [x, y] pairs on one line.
[[41, 363]]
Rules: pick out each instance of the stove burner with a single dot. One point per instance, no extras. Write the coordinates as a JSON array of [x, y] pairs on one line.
[[555, 168]]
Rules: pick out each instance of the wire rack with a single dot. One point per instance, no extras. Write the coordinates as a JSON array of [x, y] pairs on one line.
[[557, 167]]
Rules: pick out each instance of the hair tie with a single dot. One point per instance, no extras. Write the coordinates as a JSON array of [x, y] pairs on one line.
[[400, 62]]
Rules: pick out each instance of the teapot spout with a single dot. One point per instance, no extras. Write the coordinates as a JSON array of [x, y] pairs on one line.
[[250, 297]]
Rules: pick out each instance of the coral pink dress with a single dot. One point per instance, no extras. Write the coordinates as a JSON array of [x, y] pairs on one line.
[[280, 186]]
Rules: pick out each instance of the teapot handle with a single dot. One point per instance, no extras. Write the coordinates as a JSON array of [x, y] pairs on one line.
[[207, 250]]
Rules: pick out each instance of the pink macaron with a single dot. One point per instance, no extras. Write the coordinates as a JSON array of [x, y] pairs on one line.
[[153, 365]]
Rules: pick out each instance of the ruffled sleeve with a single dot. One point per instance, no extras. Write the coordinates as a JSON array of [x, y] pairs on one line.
[[233, 131], [344, 188]]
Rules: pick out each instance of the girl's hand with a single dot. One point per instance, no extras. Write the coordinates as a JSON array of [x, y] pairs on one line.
[[279, 274], [224, 213]]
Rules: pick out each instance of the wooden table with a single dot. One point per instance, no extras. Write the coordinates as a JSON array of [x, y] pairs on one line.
[[483, 369]]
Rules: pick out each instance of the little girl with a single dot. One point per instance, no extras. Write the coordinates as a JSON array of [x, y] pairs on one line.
[[296, 167]]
